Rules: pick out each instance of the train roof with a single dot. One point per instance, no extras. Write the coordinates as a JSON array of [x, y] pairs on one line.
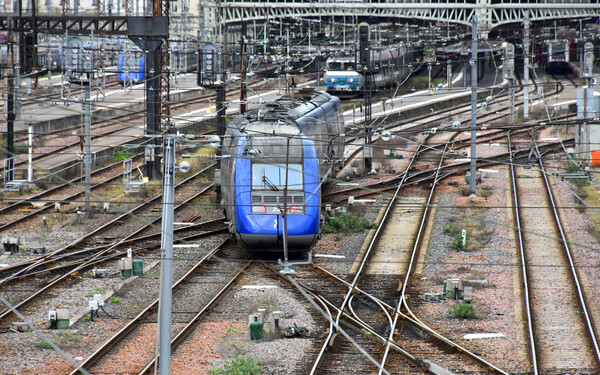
[[465, 47]]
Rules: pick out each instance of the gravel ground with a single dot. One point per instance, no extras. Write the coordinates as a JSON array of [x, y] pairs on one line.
[[224, 334], [497, 302]]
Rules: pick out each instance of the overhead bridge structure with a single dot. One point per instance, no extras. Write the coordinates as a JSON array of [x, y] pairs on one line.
[[490, 13]]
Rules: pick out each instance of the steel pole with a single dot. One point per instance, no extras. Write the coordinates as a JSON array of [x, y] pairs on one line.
[[526, 65], [166, 245], [30, 159], [473, 105], [88, 150]]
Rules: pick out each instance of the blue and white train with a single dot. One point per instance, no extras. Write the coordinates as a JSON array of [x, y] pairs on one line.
[[131, 62], [131, 66], [291, 143], [344, 76]]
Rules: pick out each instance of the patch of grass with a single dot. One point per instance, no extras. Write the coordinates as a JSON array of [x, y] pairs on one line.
[[122, 154], [20, 148], [452, 229], [347, 223], [85, 319], [91, 294], [571, 167], [457, 242], [101, 290], [42, 345], [266, 303], [204, 203], [473, 220], [240, 365], [463, 310], [114, 300]]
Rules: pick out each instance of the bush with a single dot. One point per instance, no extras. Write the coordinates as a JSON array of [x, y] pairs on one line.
[[20, 148], [347, 223], [574, 168], [463, 310], [42, 345], [457, 243], [122, 154], [238, 366], [452, 229], [115, 300]]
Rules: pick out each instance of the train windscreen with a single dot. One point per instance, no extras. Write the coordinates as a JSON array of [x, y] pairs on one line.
[[272, 176]]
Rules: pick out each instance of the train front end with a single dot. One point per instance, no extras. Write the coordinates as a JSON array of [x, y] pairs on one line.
[[275, 188]]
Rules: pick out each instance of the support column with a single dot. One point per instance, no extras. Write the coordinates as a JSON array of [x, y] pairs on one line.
[[221, 125], [10, 128], [148, 33], [473, 107], [526, 50], [166, 246], [243, 93], [87, 150]]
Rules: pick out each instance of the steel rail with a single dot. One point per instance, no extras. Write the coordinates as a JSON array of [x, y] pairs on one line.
[[378, 303], [149, 237], [461, 166], [127, 214], [419, 324], [365, 258], [48, 205], [572, 268], [527, 296], [181, 335], [40, 195], [117, 337], [414, 252], [402, 302], [78, 268], [352, 319], [120, 254]]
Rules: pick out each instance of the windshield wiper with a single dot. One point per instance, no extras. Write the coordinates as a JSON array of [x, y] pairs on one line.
[[269, 184]]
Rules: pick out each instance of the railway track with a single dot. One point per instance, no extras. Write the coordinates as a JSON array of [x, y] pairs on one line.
[[67, 193], [560, 330], [57, 267], [109, 355]]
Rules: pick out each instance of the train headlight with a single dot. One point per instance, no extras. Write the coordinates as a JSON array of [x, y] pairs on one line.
[[351, 80], [332, 80], [293, 209], [259, 209]]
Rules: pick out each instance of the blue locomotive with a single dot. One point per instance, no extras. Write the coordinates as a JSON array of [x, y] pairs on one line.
[[131, 66], [345, 76], [283, 151]]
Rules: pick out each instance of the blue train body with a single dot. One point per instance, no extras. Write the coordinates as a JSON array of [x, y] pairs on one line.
[[290, 140], [344, 76], [131, 66]]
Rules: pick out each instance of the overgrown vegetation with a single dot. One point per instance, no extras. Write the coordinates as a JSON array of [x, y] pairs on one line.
[[346, 223], [240, 365], [457, 242], [483, 192], [115, 300], [473, 221], [42, 345], [20, 148], [122, 154], [463, 310], [571, 167]]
